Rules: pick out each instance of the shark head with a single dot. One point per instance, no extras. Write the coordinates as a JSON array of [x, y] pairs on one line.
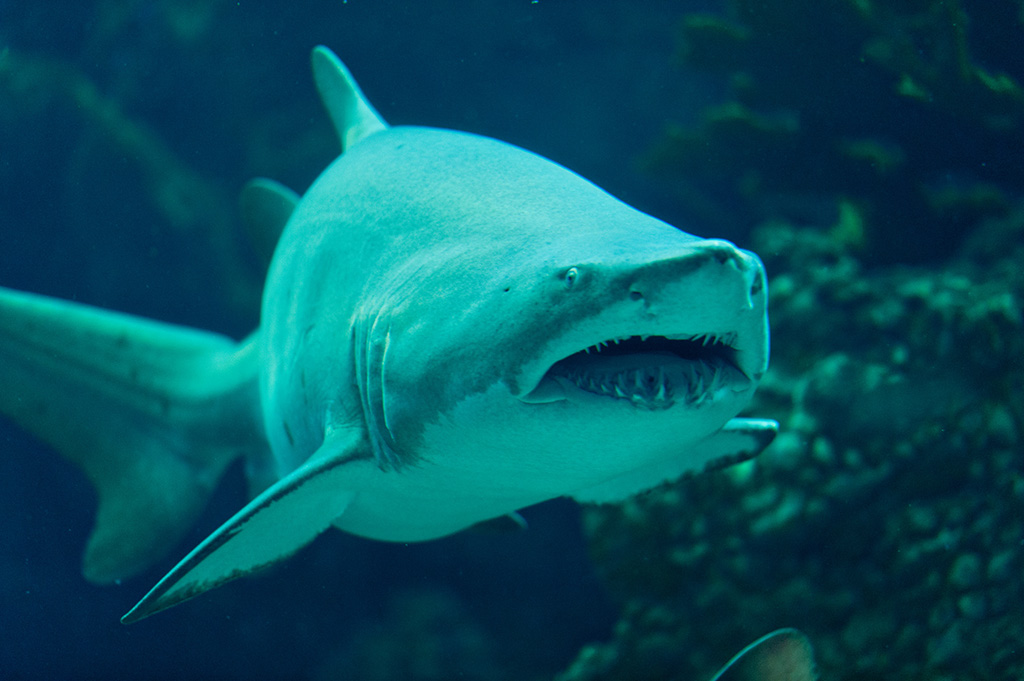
[[685, 330], [548, 318]]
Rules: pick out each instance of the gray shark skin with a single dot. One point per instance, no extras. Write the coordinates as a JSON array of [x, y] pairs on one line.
[[452, 328]]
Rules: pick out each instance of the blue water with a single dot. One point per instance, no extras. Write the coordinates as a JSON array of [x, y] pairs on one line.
[[222, 91]]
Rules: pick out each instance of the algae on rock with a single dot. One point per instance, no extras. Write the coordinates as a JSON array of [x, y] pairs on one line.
[[910, 115], [884, 521]]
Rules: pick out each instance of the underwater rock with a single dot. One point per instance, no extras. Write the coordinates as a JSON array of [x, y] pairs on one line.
[[966, 571], [883, 522]]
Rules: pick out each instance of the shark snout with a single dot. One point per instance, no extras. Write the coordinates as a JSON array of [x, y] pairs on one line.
[[687, 325], [706, 268]]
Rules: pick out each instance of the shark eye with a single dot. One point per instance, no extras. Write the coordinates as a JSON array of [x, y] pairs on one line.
[[571, 276]]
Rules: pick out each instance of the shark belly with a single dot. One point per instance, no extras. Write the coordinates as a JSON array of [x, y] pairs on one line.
[[477, 463]]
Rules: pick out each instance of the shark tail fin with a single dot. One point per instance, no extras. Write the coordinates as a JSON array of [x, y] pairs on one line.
[[152, 413], [353, 116]]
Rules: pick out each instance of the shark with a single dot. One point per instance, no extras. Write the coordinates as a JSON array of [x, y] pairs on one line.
[[452, 328]]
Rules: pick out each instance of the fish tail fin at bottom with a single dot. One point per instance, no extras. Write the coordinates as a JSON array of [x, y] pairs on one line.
[[151, 412], [782, 655]]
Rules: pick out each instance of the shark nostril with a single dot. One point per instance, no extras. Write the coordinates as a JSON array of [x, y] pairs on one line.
[[721, 252], [757, 286], [636, 295]]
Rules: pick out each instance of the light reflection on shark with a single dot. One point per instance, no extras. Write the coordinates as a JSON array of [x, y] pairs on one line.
[[452, 328]]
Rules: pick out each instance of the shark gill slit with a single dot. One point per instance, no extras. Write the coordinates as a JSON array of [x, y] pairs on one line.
[[383, 386], [388, 457]]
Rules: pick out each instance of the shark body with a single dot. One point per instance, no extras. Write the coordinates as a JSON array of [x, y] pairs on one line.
[[452, 328]]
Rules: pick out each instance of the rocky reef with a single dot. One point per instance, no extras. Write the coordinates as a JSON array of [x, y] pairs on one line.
[[877, 149], [885, 520]]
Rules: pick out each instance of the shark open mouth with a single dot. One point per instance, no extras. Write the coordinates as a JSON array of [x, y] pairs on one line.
[[656, 372]]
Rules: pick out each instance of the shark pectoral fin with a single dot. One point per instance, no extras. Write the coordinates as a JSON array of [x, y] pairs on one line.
[[738, 440], [783, 655], [503, 524], [272, 527], [266, 206], [353, 116]]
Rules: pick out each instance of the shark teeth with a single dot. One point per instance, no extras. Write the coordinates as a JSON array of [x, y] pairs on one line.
[[705, 339], [655, 372], [645, 387], [654, 388]]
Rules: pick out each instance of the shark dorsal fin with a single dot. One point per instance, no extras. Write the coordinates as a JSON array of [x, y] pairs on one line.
[[266, 206], [353, 116]]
